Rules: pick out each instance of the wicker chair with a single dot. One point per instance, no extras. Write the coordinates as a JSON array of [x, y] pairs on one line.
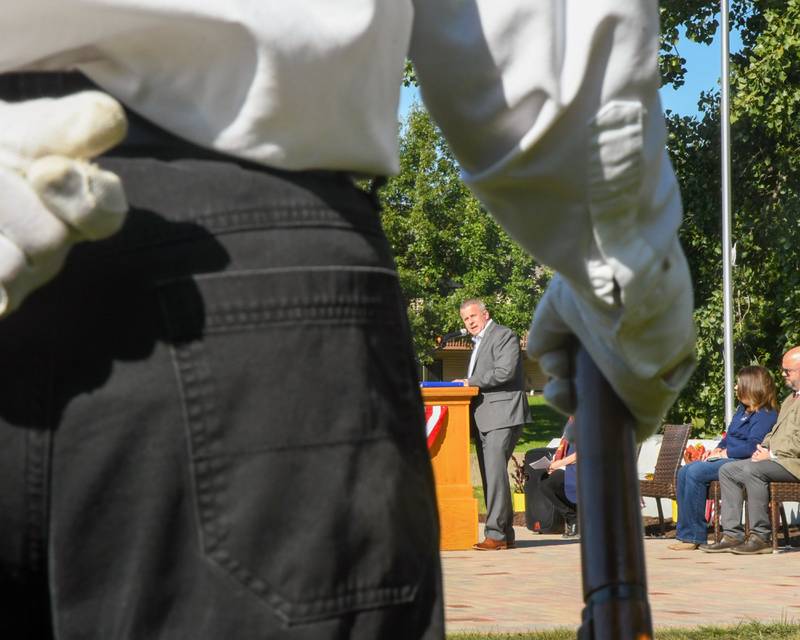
[[714, 494], [780, 492], [673, 444]]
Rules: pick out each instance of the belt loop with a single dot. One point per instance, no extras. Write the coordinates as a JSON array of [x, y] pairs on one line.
[[17, 86]]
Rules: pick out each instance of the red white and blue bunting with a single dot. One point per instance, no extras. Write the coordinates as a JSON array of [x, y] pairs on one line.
[[434, 419]]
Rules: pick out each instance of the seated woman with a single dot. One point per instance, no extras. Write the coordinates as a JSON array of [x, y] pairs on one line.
[[560, 488], [753, 420]]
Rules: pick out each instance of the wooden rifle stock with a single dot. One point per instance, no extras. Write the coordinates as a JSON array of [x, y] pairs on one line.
[[609, 512]]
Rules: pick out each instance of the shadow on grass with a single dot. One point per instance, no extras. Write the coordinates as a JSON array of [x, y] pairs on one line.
[[546, 424]]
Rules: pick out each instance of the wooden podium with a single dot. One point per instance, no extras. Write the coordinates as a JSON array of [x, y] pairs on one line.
[[458, 509]]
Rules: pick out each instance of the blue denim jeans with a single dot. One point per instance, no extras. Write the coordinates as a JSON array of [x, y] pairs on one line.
[[210, 424], [692, 492]]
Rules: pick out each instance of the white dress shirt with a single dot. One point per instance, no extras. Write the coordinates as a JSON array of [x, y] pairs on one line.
[[550, 106], [476, 341], [314, 84]]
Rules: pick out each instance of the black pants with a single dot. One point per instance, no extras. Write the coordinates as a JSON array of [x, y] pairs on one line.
[[552, 487], [210, 424]]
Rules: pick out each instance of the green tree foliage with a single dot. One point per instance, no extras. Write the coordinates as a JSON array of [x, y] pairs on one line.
[[765, 82], [446, 245], [448, 248], [699, 23]]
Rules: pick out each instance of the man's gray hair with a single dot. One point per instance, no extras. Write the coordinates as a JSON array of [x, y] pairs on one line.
[[470, 301]]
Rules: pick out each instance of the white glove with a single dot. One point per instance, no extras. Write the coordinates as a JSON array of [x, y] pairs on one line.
[[645, 352], [52, 196]]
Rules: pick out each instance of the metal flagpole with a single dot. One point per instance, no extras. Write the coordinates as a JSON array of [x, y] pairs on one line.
[[727, 287]]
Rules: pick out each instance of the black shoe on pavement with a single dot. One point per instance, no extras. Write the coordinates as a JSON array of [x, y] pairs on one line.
[[726, 544], [753, 544]]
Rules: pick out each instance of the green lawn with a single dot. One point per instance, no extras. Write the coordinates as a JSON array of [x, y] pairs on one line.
[[744, 631], [547, 423]]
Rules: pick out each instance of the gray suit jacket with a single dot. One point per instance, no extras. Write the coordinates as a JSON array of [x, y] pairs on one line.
[[499, 375]]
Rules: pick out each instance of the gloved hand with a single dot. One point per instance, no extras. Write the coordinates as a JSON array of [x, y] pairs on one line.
[[645, 349], [52, 195]]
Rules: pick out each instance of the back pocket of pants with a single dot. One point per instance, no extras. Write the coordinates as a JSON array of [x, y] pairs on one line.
[[312, 482]]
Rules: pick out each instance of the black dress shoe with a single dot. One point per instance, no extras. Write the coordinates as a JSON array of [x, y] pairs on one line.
[[726, 544], [753, 544], [570, 530]]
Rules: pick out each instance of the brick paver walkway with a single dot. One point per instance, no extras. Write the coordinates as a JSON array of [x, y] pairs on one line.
[[537, 586]]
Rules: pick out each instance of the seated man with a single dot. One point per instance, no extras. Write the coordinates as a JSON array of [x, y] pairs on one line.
[[776, 459]]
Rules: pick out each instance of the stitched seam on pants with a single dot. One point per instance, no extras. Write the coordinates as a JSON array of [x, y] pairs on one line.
[[245, 316], [282, 216], [202, 422], [37, 470], [36, 480], [177, 365], [276, 270]]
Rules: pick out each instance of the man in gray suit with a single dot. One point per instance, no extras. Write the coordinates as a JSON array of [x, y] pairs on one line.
[[498, 412]]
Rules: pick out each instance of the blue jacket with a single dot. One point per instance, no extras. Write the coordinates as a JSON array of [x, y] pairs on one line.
[[570, 478], [746, 431]]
